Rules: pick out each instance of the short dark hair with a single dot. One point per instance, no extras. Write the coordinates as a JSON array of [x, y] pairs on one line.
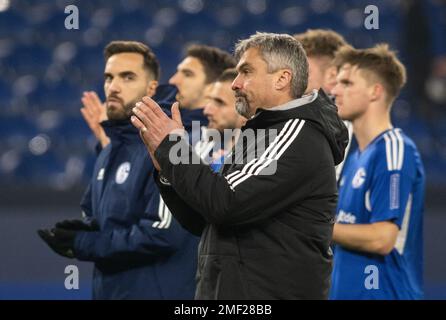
[[228, 75], [380, 61], [151, 63], [214, 60], [321, 42]]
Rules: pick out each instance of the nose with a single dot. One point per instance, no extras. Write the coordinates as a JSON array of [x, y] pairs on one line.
[[237, 83], [174, 79], [335, 91], [207, 109], [114, 86]]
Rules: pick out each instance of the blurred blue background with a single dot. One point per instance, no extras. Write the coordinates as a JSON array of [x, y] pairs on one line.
[[47, 151]]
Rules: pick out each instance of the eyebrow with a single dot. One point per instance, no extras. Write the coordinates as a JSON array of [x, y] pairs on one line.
[[121, 74], [186, 70], [218, 100], [243, 65]]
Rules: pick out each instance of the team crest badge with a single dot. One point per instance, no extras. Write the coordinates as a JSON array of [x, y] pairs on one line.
[[122, 173], [359, 178]]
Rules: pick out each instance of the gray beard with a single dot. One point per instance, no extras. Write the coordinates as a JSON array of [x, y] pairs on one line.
[[242, 107]]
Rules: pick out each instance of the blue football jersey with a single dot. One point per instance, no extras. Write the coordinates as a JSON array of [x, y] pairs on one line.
[[384, 182]]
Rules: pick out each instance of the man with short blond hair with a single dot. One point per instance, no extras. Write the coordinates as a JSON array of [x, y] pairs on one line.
[[379, 228], [320, 45]]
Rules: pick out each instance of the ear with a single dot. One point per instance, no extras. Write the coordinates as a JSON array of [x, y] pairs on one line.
[[151, 88], [377, 92], [330, 75], [283, 79], [207, 88]]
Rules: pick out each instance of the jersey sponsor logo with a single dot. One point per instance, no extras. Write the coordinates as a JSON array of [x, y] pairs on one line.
[[122, 173], [345, 217], [359, 178], [101, 174]]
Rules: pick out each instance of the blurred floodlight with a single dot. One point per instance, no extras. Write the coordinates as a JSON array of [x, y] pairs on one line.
[[166, 17], [354, 18], [256, 6], [102, 18], [292, 16], [154, 36], [229, 16], [6, 47], [39, 144], [191, 6], [321, 6], [48, 120], [4, 5], [24, 85], [9, 161], [64, 52], [92, 37]]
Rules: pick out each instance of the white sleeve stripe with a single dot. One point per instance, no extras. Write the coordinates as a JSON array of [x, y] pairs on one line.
[[402, 234], [241, 173], [267, 162], [282, 141], [401, 149], [232, 177], [271, 156], [169, 216], [388, 153], [368, 205], [161, 212], [240, 181], [160, 215], [394, 150], [232, 174], [291, 140], [281, 145], [282, 135], [164, 215]]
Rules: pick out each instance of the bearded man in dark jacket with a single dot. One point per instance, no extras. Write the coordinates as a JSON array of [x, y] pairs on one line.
[[266, 220]]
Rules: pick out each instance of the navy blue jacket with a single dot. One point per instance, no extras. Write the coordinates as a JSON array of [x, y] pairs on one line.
[[141, 251]]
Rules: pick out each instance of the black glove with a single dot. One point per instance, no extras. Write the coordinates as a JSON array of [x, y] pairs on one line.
[[60, 240], [78, 225]]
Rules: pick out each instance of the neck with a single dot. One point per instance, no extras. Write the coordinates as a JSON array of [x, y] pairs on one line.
[[278, 101], [370, 125], [198, 106]]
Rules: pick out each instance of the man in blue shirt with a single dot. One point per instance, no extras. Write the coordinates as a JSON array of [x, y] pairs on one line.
[[379, 224]]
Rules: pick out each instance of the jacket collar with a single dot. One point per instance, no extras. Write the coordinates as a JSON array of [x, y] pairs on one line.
[[121, 131]]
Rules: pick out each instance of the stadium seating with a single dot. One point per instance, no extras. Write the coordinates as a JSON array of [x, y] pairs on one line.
[[45, 67]]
